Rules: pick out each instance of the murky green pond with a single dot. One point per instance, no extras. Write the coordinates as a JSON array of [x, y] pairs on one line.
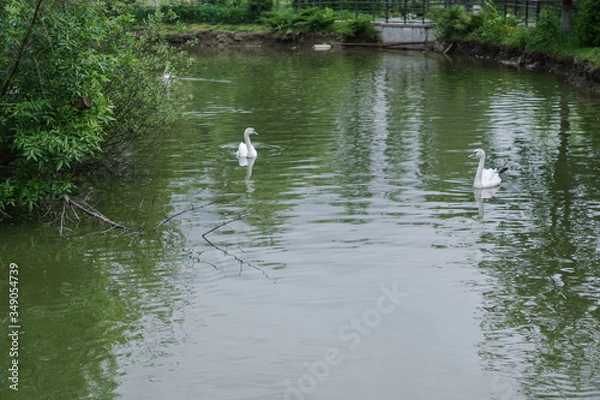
[[352, 260]]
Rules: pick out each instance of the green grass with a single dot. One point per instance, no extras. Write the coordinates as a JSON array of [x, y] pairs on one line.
[[590, 54]]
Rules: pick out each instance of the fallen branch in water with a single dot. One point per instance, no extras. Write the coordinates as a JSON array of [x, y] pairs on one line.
[[238, 259], [91, 211], [192, 208], [222, 224]]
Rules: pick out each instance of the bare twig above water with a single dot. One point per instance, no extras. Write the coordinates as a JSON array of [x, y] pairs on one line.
[[225, 252], [192, 208], [222, 224], [91, 211], [4, 215]]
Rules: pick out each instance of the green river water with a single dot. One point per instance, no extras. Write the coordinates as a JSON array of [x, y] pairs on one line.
[[353, 259]]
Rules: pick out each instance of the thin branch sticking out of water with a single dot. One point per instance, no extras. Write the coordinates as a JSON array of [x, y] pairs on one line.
[[192, 208], [238, 259], [91, 211], [222, 224]]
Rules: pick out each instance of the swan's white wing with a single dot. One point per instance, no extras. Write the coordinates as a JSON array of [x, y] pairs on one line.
[[490, 178], [242, 150]]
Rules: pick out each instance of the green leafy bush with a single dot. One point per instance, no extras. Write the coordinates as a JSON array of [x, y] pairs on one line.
[[354, 29], [490, 26], [487, 25], [201, 14], [283, 21], [77, 85], [519, 38], [453, 22], [316, 19], [259, 7], [311, 19], [546, 35], [587, 24]]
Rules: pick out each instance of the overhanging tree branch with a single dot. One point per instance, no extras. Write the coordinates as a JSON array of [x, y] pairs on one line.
[[6, 84]]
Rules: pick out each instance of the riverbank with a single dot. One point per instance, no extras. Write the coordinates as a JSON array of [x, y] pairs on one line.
[[580, 73], [223, 38]]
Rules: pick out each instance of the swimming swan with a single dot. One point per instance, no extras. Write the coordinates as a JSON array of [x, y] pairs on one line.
[[246, 149], [485, 178]]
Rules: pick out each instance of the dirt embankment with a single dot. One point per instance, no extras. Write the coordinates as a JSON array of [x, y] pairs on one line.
[[223, 39], [579, 73]]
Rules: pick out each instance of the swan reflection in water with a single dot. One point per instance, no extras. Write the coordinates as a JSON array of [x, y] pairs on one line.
[[248, 162], [481, 194]]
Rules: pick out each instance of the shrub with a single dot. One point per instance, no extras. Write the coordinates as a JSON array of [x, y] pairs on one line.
[[452, 22], [360, 28], [317, 20], [546, 35], [283, 21], [587, 23], [259, 7], [311, 19], [69, 100], [490, 26], [200, 14], [519, 38]]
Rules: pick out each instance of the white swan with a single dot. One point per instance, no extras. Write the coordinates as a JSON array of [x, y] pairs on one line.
[[246, 149], [485, 177]]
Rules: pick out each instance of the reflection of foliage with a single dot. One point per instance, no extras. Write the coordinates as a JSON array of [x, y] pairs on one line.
[[546, 297], [81, 314]]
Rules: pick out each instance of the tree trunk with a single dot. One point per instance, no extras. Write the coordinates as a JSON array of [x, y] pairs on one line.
[[565, 18]]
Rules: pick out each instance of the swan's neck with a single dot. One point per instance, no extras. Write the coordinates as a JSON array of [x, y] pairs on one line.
[[478, 176], [247, 140]]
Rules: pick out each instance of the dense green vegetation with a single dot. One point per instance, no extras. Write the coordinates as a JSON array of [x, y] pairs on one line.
[[262, 13], [79, 85], [491, 26], [314, 19]]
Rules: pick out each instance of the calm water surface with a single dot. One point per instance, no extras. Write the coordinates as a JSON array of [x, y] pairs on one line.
[[352, 260]]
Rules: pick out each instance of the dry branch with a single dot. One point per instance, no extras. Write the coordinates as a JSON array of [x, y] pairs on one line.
[[4, 215], [238, 259], [222, 224], [91, 211], [164, 221]]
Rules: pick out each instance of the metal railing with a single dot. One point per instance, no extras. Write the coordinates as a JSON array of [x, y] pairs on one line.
[[406, 11]]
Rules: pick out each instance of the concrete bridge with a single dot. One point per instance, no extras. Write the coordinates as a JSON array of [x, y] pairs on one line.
[[401, 33]]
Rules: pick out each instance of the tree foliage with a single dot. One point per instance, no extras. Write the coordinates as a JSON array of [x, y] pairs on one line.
[[588, 23], [311, 19], [545, 36], [78, 83]]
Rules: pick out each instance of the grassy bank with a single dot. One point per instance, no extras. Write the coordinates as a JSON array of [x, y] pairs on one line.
[[490, 26]]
